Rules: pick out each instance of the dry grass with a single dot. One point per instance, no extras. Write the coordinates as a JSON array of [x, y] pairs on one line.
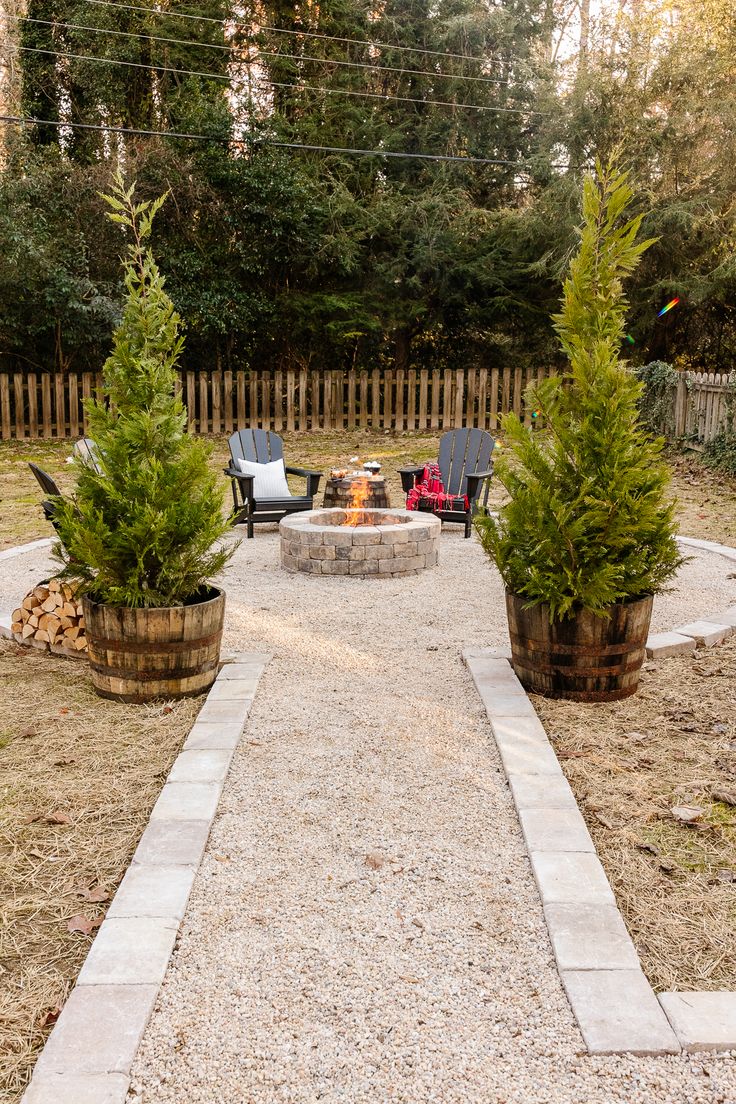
[[673, 743], [101, 765], [707, 502]]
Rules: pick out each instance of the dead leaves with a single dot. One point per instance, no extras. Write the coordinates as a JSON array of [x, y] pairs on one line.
[[84, 924], [687, 814], [50, 1016], [94, 894], [57, 817], [727, 797]]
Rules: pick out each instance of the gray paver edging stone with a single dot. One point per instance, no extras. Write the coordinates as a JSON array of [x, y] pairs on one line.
[[89, 1054], [615, 1006]]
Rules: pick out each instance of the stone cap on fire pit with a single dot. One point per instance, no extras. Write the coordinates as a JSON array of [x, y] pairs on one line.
[[384, 542]]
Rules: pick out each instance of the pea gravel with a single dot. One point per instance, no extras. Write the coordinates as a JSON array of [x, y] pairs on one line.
[[365, 927]]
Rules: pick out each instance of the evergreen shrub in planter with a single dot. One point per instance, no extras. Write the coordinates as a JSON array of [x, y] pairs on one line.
[[140, 534], [588, 536]]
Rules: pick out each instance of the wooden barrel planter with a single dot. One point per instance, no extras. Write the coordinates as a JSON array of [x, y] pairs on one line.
[[338, 493], [138, 655], [585, 658]]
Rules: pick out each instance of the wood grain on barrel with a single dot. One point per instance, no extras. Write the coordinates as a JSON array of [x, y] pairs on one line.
[[138, 655], [584, 658]]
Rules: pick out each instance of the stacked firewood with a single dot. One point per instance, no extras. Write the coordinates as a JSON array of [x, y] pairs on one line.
[[50, 616]]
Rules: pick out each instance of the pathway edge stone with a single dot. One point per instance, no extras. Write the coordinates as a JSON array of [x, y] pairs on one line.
[[568, 874], [600, 995], [89, 1054]]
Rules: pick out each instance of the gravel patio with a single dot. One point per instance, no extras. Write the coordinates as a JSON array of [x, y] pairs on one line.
[[365, 927]]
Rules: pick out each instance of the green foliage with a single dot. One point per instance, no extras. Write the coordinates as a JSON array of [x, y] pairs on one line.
[[433, 265], [588, 524], [720, 451], [656, 405], [141, 531]]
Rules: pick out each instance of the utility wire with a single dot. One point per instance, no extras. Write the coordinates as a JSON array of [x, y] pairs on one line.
[[289, 31], [388, 96], [19, 120], [263, 53]]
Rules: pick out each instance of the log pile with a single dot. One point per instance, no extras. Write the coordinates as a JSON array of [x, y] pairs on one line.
[[50, 617]]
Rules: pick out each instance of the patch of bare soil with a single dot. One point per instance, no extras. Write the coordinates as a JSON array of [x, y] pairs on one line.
[[655, 778], [78, 778], [706, 500]]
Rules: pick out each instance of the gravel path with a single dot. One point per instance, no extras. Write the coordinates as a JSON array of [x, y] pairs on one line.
[[365, 928]]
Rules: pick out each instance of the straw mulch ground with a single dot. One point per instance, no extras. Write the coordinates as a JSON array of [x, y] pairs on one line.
[[630, 763], [78, 778]]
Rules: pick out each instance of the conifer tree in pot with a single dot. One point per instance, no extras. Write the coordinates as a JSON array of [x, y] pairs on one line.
[[588, 536], [140, 534]]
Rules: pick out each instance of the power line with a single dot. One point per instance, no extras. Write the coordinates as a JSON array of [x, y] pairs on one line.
[[289, 31], [388, 96], [19, 120], [118, 34], [263, 53]]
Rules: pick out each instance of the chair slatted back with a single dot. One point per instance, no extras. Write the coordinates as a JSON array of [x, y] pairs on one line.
[[463, 452], [260, 446], [86, 449], [44, 480]]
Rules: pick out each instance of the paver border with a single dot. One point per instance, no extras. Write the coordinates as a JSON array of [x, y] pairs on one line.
[[89, 1054], [20, 549], [616, 1008]]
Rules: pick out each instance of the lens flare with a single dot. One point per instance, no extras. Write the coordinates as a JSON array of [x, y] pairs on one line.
[[668, 306], [630, 339]]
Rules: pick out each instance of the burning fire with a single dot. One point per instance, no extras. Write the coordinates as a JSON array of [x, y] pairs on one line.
[[359, 492]]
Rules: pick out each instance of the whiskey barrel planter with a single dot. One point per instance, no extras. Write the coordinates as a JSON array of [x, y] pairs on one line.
[[338, 492], [138, 655], [586, 658]]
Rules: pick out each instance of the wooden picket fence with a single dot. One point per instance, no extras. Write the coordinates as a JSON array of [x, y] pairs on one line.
[[42, 405], [51, 405], [701, 406]]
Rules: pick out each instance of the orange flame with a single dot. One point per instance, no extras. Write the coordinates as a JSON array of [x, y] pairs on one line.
[[359, 491]]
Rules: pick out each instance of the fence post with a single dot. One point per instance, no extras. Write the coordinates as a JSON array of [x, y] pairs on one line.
[[680, 414]]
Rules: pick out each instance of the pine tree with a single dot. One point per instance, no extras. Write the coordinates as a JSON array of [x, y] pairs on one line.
[[589, 523], [141, 531]]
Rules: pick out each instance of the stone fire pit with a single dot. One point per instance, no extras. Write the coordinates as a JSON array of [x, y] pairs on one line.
[[384, 542]]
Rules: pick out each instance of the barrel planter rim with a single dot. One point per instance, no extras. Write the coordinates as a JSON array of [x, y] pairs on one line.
[[135, 656], [578, 668], [214, 594]]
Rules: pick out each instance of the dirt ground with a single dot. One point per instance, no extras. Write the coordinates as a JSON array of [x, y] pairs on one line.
[[78, 779]]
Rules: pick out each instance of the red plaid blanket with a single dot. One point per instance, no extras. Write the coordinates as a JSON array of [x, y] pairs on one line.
[[428, 493]]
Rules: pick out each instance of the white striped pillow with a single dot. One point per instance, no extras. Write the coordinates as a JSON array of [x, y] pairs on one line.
[[269, 479]]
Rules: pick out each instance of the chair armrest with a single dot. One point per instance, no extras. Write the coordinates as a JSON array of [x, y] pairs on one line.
[[409, 477], [302, 471], [236, 473], [245, 482], [474, 482], [312, 478]]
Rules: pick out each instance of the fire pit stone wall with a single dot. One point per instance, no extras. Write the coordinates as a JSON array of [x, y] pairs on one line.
[[391, 543]]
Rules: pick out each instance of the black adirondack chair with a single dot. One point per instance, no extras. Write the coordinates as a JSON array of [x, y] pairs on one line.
[[466, 467], [261, 447], [86, 449], [49, 487]]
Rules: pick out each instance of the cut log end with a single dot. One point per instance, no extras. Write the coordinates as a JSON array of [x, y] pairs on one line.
[[49, 617]]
